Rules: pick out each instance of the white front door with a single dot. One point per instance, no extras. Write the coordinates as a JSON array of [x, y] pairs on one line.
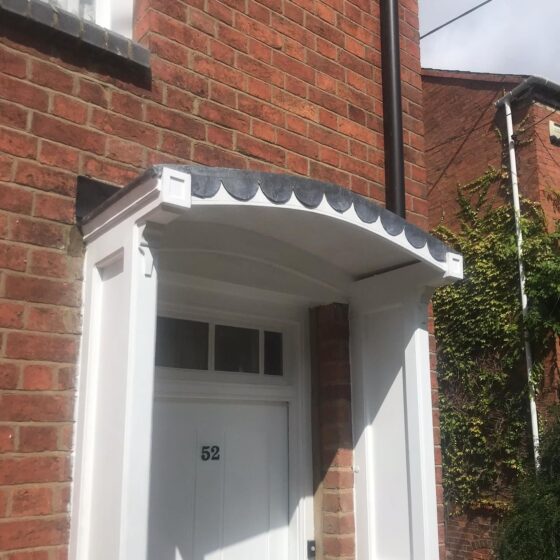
[[220, 487]]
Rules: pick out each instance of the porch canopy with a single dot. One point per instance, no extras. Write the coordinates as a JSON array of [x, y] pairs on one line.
[[295, 239], [363, 240]]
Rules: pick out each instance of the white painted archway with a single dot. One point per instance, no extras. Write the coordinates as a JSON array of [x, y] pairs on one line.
[[301, 241]]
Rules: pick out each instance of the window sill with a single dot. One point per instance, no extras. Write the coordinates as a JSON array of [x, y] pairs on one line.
[[84, 31]]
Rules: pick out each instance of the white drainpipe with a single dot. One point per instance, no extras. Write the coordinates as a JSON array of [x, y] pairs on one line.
[[519, 235]]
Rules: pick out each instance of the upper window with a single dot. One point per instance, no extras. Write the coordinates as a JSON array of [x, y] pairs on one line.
[[112, 14]]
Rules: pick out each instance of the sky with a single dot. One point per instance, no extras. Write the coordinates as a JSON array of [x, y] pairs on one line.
[[505, 36]]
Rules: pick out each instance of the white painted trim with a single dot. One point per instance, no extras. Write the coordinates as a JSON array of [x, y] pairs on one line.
[[154, 200], [420, 433], [213, 317], [174, 388], [103, 13], [323, 285], [138, 406], [133, 368]]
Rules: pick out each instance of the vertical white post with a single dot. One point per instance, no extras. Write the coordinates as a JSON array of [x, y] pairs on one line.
[[139, 392], [395, 483], [420, 437], [110, 503], [380, 431], [110, 498]]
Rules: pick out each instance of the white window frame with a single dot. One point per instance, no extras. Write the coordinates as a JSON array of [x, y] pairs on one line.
[[115, 15], [214, 318], [118, 16]]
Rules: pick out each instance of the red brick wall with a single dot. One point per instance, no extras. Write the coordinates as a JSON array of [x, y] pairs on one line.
[[471, 537], [332, 438], [279, 85], [461, 142], [298, 84], [294, 89], [545, 175]]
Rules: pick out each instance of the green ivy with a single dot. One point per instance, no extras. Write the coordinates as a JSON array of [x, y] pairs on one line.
[[479, 334], [531, 529]]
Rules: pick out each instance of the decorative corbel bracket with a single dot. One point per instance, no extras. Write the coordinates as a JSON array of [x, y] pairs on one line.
[[150, 235]]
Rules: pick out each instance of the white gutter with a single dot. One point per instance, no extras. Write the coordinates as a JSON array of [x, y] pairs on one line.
[[527, 84], [506, 102]]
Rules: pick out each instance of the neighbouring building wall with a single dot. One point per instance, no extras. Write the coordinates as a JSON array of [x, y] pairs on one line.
[[463, 135], [545, 178], [285, 86], [471, 537], [460, 145]]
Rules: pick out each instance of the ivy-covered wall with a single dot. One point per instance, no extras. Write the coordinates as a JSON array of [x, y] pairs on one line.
[[483, 389], [479, 332]]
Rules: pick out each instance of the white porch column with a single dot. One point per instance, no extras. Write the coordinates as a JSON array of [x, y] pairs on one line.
[[138, 400], [115, 395], [113, 445], [396, 514], [420, 431]]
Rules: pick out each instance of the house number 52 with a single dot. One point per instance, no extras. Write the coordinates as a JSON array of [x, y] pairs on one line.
[[210, 453]]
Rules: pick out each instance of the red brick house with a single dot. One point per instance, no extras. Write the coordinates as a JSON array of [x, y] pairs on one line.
[[214, 336], [465, 133]]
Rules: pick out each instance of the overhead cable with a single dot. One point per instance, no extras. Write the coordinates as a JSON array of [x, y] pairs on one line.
[[455, 19]]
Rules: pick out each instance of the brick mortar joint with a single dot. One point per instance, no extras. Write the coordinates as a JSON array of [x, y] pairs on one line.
[[48, 516], [38, 393], [55, 485], [47, 334]]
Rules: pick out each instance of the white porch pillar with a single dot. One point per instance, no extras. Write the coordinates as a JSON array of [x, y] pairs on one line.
[[138, 400], [420, 431], [396, 513], [115, 395]]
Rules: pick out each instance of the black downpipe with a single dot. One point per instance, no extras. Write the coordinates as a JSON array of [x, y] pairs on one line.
[[392, 108]]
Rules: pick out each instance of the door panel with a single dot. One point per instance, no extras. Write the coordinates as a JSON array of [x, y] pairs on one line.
[[219, 485]]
